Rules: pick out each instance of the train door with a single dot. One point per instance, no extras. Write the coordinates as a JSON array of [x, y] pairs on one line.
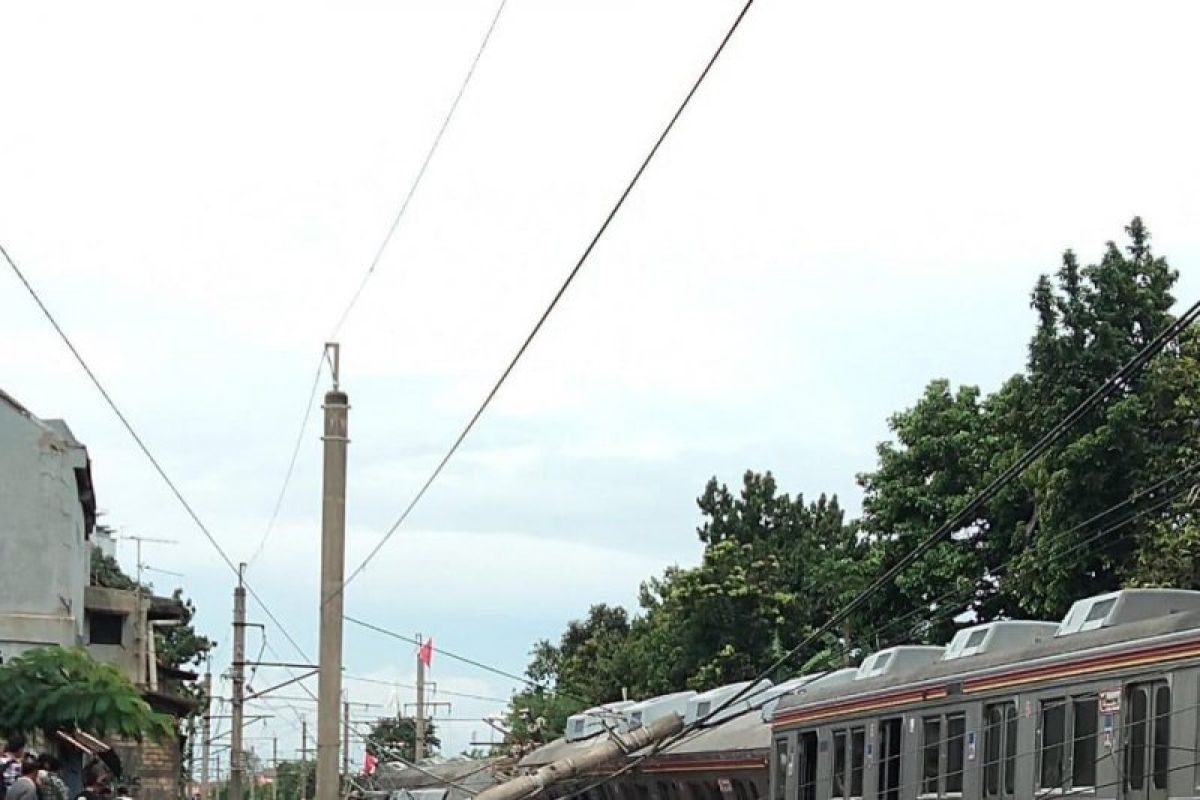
[[889, 759], [1147, 741]]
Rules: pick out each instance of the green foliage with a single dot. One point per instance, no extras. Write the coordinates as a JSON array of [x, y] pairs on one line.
[[775, 568], [290, 776], [393, 737], [107, 572], [54, 688], [180, 645]]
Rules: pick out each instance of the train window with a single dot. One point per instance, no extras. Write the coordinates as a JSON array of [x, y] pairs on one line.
[[956, 733], [839, 764], [779, 782], [931, 746], [1010, 749], [1085, 715], [993, 745], [1054, 734], [858, 746], [643, 791], [943, 740], [1162, 734], [1135, 753], [739, 790], [890, 750], [1068, 746], [807, 776]]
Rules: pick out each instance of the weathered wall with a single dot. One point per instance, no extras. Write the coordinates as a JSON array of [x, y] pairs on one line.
[[43, 545], [124, 656], [152, 768]]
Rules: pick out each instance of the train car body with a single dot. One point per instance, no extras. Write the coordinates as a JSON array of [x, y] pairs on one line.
[[1104, 707], [1100, 705]]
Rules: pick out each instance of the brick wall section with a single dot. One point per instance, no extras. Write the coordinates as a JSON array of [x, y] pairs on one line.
[[152, 768]]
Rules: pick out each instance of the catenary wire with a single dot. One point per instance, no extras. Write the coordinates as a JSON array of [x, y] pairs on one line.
[[291, 468], [191, 512], [469, 661], [412, 189], [554, 301], [391, 232]]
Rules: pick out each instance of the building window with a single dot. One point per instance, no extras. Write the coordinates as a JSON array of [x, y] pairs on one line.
[[1068, 747], [105, 627]]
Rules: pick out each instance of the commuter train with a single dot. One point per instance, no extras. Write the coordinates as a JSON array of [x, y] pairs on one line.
[[1100, 705]]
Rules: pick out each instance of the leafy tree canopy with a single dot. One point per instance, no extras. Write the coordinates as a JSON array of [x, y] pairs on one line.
[[392, 738], [775, 567], [55, 688]]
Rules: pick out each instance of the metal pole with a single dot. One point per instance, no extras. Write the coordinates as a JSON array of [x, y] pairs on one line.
[[275, 768], [237, 764], [333, 568], [206, 727], [346, 741], [419, 722]]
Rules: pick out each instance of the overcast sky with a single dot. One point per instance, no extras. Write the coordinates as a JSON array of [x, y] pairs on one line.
[[858, 201]]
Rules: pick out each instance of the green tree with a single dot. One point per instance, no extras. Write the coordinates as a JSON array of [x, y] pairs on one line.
[[56, 688], [1027, 553], [392, 738], [295, 780]]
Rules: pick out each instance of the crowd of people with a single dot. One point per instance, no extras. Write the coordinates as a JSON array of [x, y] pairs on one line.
[[25, 776]]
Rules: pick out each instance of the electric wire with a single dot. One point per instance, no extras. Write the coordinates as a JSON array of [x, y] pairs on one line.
[[291, 468], [391, 232], [412, 189], [554, 301], [472, 662], [1159, 502]]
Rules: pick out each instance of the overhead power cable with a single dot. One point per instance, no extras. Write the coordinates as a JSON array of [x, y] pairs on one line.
[[1158, 502], [391, 232], [465, 660], [191, 512], [1119, 381], [554, 301]]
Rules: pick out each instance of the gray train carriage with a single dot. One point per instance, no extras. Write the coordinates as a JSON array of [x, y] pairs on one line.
[[726, 759], [1101, 705]]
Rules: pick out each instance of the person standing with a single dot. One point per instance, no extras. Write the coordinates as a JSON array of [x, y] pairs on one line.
[[10, 762], [50, 784], [25, 787]]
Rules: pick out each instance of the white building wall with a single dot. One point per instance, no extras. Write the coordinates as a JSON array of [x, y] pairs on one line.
[[44, 553]]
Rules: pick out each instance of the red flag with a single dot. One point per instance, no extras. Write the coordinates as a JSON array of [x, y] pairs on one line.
[[426, 653], [369, 764]]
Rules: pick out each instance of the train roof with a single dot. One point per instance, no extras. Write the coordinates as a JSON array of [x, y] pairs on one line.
[[1128, 617]]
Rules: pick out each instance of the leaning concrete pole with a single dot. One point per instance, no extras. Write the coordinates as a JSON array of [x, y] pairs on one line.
[[333, 567], [598, 756]]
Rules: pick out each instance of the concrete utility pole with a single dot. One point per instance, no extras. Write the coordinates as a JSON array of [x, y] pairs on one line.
[[589, 760], [237, 764], [346, 740], [419, 722], [333, 568], [303, 758], [206, 732]]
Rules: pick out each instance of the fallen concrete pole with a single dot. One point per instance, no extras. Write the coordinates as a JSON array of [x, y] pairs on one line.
[[611, 749]]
